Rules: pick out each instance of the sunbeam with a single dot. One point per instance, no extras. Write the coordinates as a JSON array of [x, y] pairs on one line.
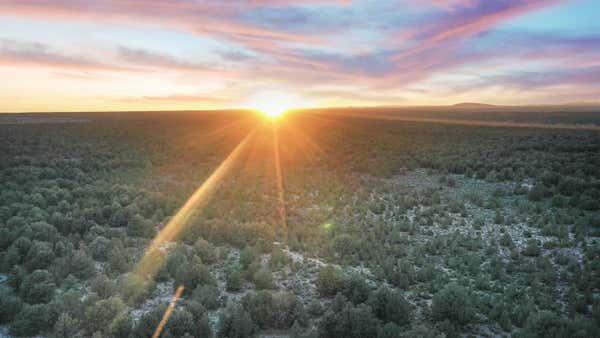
[[152, 261], [168, 312], [280, 191]]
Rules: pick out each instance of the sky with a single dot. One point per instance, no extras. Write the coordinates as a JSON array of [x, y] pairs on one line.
[[87, 55]]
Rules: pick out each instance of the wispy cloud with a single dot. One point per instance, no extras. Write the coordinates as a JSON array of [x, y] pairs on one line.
[[380, 51], [146, 58], [35, 53]]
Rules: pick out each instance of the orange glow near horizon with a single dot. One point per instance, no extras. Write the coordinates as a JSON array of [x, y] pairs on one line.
[[274, 104], [272, 113]]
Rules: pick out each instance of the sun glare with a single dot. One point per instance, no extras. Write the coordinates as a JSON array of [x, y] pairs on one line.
[[274, 104], [272, 111]]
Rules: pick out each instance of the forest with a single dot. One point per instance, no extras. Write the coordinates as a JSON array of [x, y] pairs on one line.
[[391, 228]]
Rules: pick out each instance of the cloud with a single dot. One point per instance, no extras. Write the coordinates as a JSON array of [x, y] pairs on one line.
[[537, 80], [440, 44], [451, 5], [355, 96], [146, 58], [206, 17], [34, 53], [265, 27], [235, 56], [482, 15], [285, 3], [203, 98], [379, 48], [218, 19]]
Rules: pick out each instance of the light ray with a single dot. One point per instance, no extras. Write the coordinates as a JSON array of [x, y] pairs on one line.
[[302, 142], [152, 259], [168, 312], [280, 191]]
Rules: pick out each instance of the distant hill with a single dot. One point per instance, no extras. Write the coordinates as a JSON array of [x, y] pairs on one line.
[[474, 105], [571, 106], [579, 116]]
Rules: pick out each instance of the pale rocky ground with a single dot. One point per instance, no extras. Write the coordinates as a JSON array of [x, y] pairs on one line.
[[302, 282]]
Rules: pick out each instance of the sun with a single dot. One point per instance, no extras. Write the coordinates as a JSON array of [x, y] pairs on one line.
[[274, 104], [273, 110]]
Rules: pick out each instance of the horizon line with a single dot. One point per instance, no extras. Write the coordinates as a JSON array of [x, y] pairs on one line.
[[460, 105]]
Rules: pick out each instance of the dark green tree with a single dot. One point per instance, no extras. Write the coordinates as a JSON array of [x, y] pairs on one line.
[[233, 278], [356, 289], [10, 305], [100, 248], [38, 287], [263, 279], [99, 316], [235, 322], [351, 322], [389, 306], [67, 327], [206, 251], [453, 303], [39, 256], [546, 324], [149, 322], [248, 255], [33, 319], [140, 227], [330, 280], [103, 286], [180, 323], [208, 296]]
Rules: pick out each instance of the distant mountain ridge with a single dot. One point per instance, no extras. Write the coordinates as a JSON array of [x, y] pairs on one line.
[[474, 105], [567, 105]]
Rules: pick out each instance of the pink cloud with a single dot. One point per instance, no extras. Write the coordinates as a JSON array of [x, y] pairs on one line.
[[203, 18], [198, 17], [19, 53], [467, 23], [293, 58]]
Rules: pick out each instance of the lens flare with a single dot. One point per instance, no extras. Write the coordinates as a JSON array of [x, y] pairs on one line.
[[168, 312], [153, 259], [280, 190]]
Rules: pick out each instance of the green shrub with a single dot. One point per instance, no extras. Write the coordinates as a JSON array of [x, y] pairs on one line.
[[546, 324], [356, 289], [532, 249], [248, 255], [135, 288], [506, 240], [263, 279], [233, 278], [100, 316], [453, 303], [33, 319], [66, 327], [206, 251], [207, 295], [389, 306], [350, 322], [235, 322], [330, 281], [38, 287], [103, 286], [10, 305]]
